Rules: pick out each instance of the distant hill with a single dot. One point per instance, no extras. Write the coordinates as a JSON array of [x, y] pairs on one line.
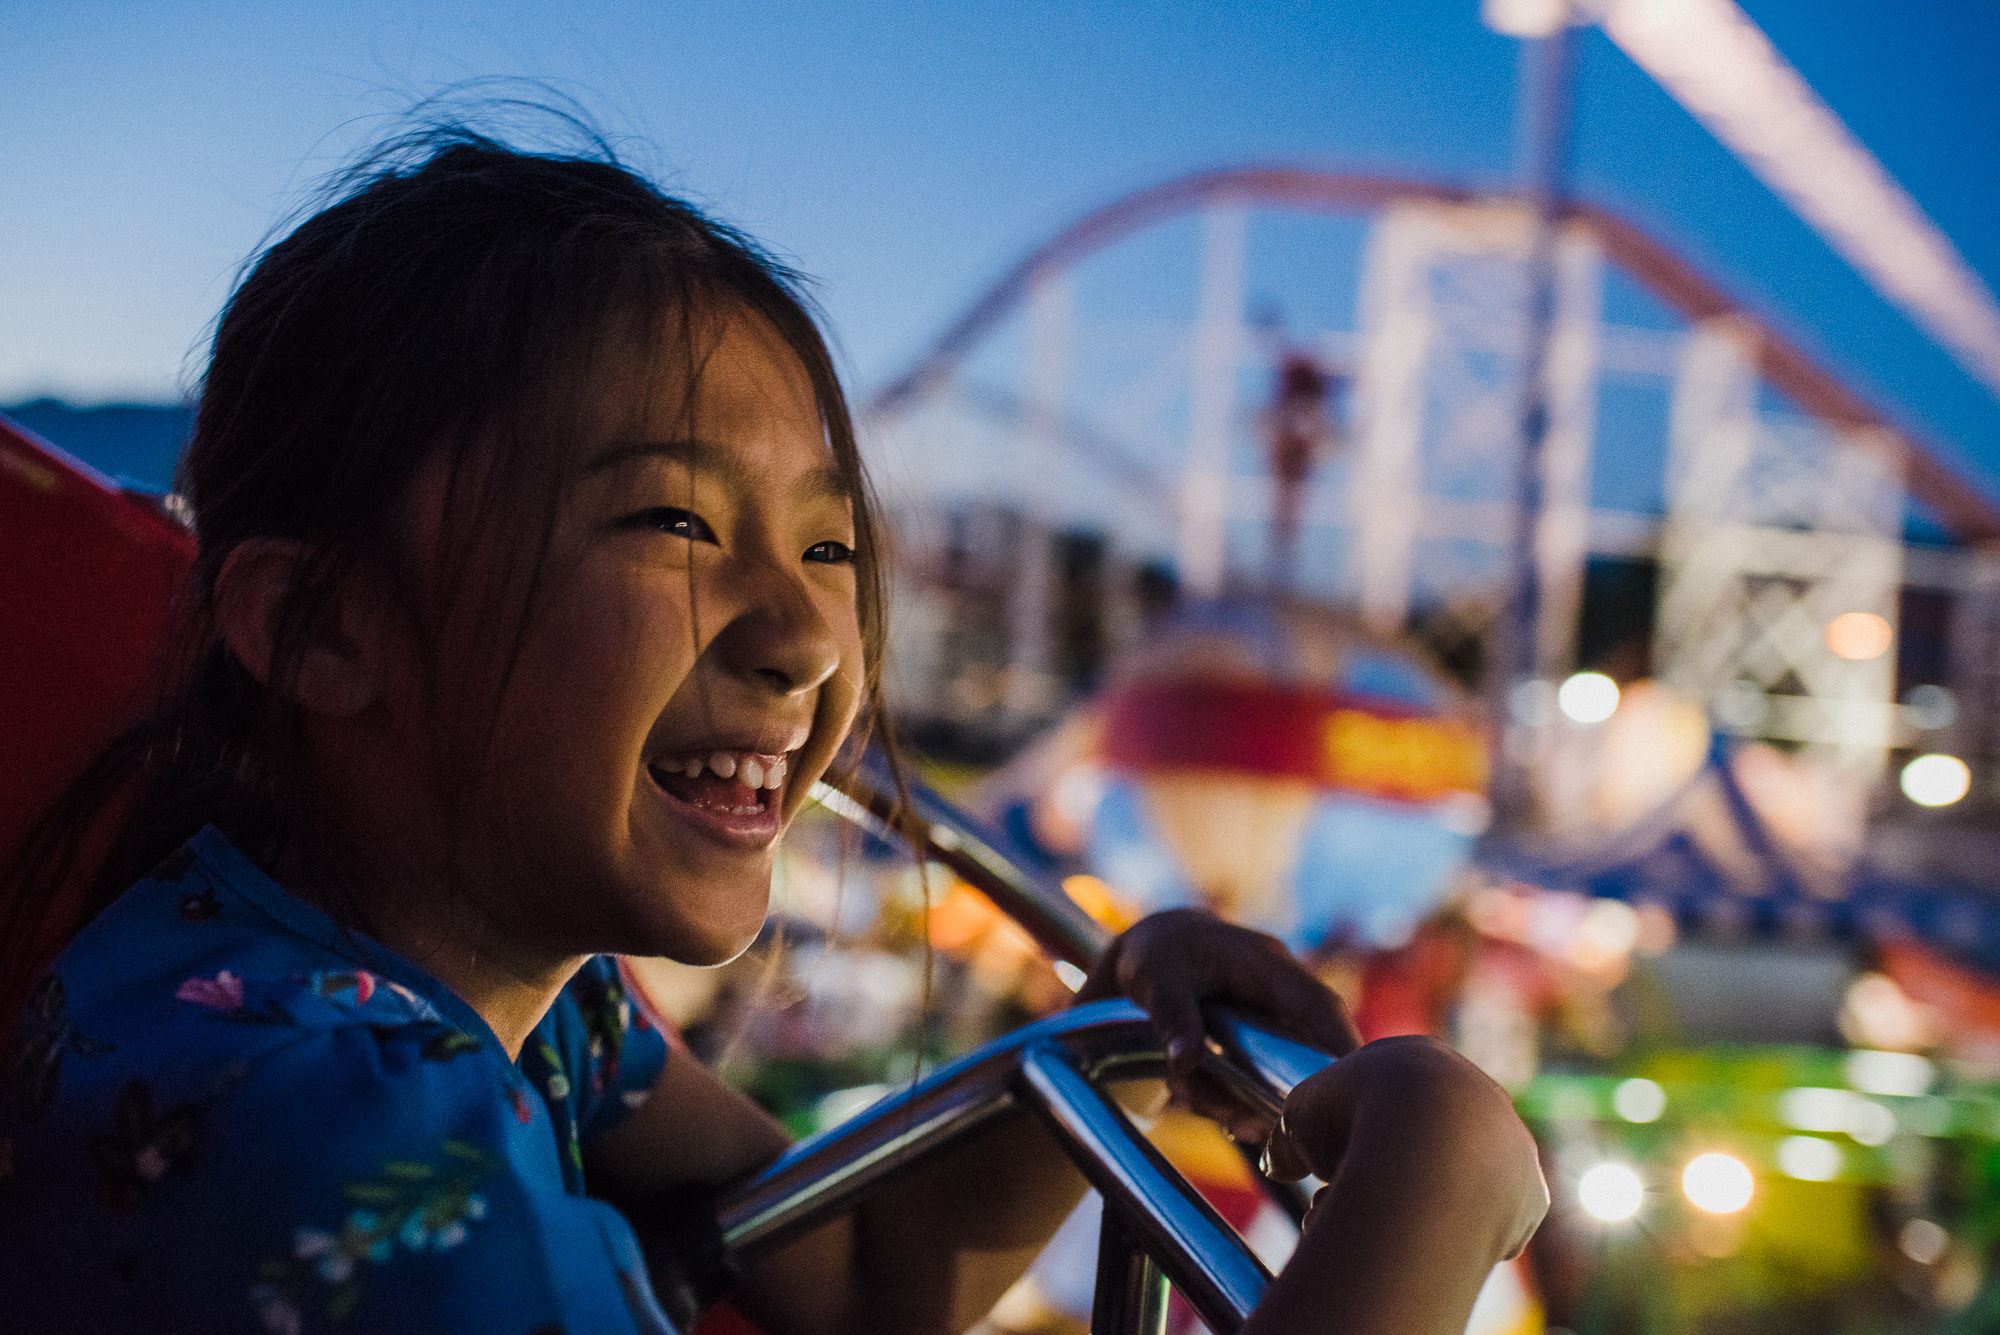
[[135, 443]]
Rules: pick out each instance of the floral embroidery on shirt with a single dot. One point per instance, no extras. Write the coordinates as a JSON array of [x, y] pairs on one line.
[[224, 991], [46, 1033], [419, 1206], [224, 995], [140, 1148], [607, 1014], [442, 1047], [361, 982]]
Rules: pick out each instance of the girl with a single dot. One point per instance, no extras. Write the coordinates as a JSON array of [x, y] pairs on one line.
[[537, 583]]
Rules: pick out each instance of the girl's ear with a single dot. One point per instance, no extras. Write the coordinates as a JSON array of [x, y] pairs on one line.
[[338, 666]]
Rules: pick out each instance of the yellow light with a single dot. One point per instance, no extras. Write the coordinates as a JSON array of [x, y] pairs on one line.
[[1610, 1192], [1717, 1183], [1588, 697], [1936, 780], [1859, 636]]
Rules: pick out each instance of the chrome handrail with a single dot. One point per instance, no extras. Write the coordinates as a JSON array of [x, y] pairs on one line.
[[1157, 1227], [1047, 1068]]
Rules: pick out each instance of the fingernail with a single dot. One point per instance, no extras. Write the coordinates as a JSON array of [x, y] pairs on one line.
[[1177, 1050]]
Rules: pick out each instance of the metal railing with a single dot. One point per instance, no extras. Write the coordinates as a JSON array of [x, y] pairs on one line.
[[1157, 1228]]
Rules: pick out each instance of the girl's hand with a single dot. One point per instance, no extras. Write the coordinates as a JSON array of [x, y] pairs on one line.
[[1172, 962], [1403, 1108]]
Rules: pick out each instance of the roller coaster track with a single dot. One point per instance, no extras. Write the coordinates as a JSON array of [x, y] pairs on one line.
[[1966, 513]]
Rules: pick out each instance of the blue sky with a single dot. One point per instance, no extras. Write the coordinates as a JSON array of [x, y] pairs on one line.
[[906, 153]]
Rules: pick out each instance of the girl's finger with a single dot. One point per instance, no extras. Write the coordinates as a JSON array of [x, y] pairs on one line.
[[1277, 985], [1283, 1161]]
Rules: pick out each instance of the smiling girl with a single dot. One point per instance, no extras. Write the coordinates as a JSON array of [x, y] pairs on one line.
[[537, 583]]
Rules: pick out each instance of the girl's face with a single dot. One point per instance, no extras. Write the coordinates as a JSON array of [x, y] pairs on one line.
[[688, 668]]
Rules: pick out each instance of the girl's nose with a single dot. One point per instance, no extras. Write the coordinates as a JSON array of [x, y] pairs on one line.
[[782, 641]]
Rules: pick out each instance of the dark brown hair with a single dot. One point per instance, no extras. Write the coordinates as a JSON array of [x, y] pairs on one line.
[[457, 295]]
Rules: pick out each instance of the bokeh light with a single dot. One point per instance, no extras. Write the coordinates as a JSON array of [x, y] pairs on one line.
[[1901, 1074], [1859, 636], [1809, 1158], [1810, 1109], [1936, 780], [1588, 697], [1717, 1183], [1639, 1100], [1923, 1241], [1610, 1192], [1869, 1123]]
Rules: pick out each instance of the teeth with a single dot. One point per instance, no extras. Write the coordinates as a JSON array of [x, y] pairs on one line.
[[756, 774]]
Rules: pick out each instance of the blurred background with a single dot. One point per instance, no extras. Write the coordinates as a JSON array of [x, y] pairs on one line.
[[1503, 496]]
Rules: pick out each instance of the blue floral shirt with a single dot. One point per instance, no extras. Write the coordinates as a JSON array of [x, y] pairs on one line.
[[229, 1114]]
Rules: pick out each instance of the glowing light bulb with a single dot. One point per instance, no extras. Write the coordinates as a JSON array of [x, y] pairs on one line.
[[1936, 780], [1859, 636], [1588, 697], [1610, 1192], [1717, 1183]]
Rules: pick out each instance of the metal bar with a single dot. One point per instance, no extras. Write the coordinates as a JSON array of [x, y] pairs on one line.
[[947, 835], [1547, 67], [1131, 1293], [833, 1171], [1281, 1063], [1219, 1276]]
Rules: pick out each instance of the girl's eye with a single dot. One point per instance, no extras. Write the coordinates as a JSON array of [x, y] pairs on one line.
[[830, 553], [681, 523]]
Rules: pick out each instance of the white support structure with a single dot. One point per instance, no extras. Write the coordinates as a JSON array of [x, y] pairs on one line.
[[1774, 528], [1438, 407], [1218, 339], [1562, 540], [1389, 412], [1051, 318], [1974, 665]]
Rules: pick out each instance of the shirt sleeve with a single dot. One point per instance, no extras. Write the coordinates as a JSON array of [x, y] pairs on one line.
[[368, 1178]]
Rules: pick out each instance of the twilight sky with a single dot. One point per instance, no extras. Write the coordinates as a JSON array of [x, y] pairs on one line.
[[905, 153]]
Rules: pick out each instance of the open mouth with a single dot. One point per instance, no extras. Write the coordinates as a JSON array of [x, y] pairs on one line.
[[724, 783]]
